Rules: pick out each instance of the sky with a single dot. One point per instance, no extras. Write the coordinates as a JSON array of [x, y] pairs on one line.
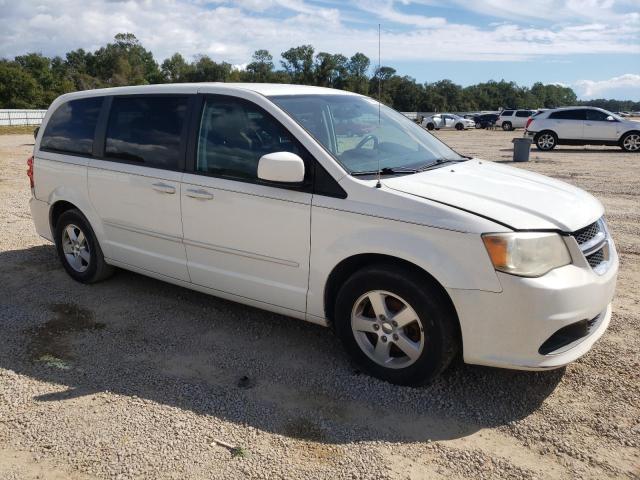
[[592, 46]]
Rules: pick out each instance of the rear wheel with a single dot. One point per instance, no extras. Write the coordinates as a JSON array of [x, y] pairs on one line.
[[396, 325], [430, 126], [459, 126], [546, 141], [506, 126], [78, 248], [631, 142]]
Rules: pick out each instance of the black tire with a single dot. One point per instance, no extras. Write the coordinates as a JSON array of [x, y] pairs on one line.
[[95, 269], [430, 126], [506, 126], [459, 126], [434, 311], [546, 140], [630, 142]]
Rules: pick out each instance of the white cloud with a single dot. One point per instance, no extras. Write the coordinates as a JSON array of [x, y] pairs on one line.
[[231, 30], [630, 82]]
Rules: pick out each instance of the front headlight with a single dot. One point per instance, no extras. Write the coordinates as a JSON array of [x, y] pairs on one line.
[[527, 254]]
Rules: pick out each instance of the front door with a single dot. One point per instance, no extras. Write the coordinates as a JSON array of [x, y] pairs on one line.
[[244, 236], [136, 187], [597, 127]]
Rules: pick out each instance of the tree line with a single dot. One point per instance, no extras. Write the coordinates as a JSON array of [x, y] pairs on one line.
[[34, 80]]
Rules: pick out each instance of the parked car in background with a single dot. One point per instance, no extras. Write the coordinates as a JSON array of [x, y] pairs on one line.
[[446, 121], [512, 119], [411, 252], [583, 126], [485, 120]]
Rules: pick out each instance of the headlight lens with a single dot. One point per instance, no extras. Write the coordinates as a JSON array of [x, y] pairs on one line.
[[527, 254]]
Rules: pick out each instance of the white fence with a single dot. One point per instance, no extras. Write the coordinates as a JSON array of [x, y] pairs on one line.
[[21, 117]]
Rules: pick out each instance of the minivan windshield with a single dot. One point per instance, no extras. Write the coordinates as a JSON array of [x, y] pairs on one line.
[[364, 135]]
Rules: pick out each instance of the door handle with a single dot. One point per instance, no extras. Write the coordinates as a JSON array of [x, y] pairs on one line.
[[164, 188], [202, 194]]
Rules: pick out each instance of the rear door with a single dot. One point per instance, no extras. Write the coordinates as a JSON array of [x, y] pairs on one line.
[[244, 236], [568, 124], [520, 118], [135, 185], [597, 127]]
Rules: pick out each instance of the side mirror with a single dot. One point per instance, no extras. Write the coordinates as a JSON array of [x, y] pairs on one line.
[[283, 167], [610, 119]]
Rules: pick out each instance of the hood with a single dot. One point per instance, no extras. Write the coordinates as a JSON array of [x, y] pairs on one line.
[[517, 198]]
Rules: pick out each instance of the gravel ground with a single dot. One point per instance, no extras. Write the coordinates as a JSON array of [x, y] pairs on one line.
[[134, 378]]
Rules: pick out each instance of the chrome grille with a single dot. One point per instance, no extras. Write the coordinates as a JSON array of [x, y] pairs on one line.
[[596, 259], [587, 233], [594, 245]]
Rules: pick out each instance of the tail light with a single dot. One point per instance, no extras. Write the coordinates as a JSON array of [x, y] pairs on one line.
[[30, 171], [528, 123]]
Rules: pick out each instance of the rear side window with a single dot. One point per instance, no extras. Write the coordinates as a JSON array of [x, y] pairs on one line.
[[234, 134], [523, 113], [568, 115], [147, 130], [72, 127], [507, 113]]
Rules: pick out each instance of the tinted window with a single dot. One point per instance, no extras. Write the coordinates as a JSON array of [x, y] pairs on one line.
[[523, 113], [568, 115], [596, 115], [507, 113], [147, 130], [234, 134], [72, 126]]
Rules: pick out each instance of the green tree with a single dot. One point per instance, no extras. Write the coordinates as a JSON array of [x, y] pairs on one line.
[[298, 63], [261, 67], [18, 88]]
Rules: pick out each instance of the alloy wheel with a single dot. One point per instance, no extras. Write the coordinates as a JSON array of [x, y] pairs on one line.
[[546, 141], [76, 248], [387, 329], [631, 142]]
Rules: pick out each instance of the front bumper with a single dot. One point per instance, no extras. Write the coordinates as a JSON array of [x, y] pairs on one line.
[[508, 329]]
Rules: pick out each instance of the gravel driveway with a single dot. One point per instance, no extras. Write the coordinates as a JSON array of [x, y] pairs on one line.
[[135, 378]]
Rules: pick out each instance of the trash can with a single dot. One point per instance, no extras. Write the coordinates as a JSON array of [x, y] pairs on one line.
[[521, 149]]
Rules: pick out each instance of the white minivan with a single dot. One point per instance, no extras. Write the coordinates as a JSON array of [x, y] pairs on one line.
[[323, 205]]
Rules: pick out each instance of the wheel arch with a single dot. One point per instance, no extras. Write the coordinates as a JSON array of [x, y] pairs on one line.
[[57, 209], [348, 266], [637, 132]]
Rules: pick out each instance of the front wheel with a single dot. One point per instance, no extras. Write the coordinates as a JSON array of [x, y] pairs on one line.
[[506, 126], [459, 126], [546, 141], [631, 142], [430, 126], [396, 325]]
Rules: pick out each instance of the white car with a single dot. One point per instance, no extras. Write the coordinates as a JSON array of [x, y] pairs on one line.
[[412, 253], [512, 119], [583, 126], [447, 120]]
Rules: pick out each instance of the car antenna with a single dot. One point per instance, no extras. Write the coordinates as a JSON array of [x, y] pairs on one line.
[[378, 184]]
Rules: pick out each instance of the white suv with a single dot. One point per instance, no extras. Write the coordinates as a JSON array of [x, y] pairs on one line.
[[583, 126], [512, 119], [324, 206]]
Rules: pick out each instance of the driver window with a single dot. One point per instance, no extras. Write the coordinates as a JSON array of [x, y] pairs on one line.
[[596, 115], [234, 134]]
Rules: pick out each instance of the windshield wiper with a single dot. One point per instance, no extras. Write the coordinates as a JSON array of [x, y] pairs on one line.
[[437, 162], [386, 171]]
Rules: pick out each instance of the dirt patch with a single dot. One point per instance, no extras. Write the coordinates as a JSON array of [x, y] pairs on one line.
[[50, 342]]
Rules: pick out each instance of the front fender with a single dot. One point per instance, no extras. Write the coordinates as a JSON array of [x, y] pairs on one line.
[[455, 259]]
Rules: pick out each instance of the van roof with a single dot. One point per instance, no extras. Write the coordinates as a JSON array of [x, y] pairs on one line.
[[267, 89]]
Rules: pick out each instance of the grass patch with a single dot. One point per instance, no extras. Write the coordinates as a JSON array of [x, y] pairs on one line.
[[17, 129]]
